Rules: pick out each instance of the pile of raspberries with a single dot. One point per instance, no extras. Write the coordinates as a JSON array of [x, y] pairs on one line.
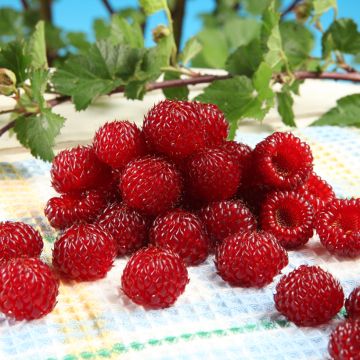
[[169, 195]]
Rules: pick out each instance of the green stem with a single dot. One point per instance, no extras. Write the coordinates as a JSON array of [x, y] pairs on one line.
[[171, 27]]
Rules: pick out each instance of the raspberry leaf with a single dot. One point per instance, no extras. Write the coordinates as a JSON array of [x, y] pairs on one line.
[[285, 104], [122, 32], [346, 113], [36, 47], [152, 6], [191, 49], [178, 93]]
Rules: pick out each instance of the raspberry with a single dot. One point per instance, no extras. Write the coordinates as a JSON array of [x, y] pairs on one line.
[[250, 258], [309, 296], [77, 169], [224, 218], [154, 277], [18, 240], [352, 304], [68, 209], [173, 128], [84, 252], [316, 191], [117, 143], [28, 289], [240, 153], [109, 187], [212, 175], [150, 185], [289, 217], [253, 197], [127, 226], [283, 161], [344, 341], [338, 226], [214, 122], [183, 233]]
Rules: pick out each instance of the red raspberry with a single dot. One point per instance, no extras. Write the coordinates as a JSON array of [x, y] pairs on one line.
[[214, 122], [174, 128], [240, 153], [283, 161], [154, 277], [127, 226], [338, 226], [77, 169], [151, 185], [183, 233], [352, 304], [224, 218], [250, 258], [109, 187], [84, 252], [289, 217], [253, 197], [117, 143], [316, 191], [344, 341], [68, 209], [28, 289], [212, 175], [19, 240], [309, 296]]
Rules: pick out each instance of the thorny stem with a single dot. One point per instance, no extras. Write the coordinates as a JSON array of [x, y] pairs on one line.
[[199, 79]]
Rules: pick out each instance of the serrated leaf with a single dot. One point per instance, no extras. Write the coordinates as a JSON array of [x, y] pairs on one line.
[[78, 40], [105, 67], [36, 47], [240, 31], [262, 84], [191, 49], [135, 90], [13, 57], [343, 36], [176, 93], [346, 113], [322, 6], [285, 108], [152, 6], [245, 60], [236, 98], [38, 79], [121, 32], [101, 29], [297, 42], [38, 132]]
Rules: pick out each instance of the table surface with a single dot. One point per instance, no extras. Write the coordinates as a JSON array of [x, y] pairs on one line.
[[212, 320]]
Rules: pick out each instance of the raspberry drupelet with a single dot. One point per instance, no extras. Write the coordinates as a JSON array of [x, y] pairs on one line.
[[352, 304]]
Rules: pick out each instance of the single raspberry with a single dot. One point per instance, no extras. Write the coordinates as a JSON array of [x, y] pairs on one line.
[[309, 296], [151, 185], [250, 258], [84, 252], [338, 226], [117, 143], [212, 175], [352, 304], [316, 191], [173, 128], [127, 226], [283, 161], [69, 209], [344, 343], [240, 153], [28, 289], [289, 217], [224, 218], [183, 233], [19, 240], [154, 277], [77, 169], [214, 122]]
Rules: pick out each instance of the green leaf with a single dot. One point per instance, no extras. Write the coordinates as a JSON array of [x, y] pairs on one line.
[[38, 132], [152, 6], [285, 107], [78, 40], [245, 60], [256, 7], [36, 47], [212, 56], [262, 84], [236, 98], [240, 31], [101, 29], [346, 113], [13, 57], [297, 42], [38, 79], [343, 36], [10, 22], [135, 90], [322, 6], [121, 32], [191, 49], [87, 76], [176, 93]]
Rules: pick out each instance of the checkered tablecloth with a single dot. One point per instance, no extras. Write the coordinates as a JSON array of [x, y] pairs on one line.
[[211, 320]]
